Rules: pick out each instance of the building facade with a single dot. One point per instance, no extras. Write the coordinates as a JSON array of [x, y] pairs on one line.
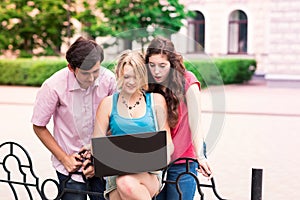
[[266, 30]]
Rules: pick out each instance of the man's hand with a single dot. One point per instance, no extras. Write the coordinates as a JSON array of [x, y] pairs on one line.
[[72, 162], [87, 165], [88, 169]]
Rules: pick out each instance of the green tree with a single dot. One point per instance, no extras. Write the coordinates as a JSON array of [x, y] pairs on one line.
[[120, 17], [88, 18], [27, 25]]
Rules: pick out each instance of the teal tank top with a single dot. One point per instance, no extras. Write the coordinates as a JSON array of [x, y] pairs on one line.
[[120, 125]]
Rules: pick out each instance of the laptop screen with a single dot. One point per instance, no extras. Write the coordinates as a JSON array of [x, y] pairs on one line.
[[131, 153]]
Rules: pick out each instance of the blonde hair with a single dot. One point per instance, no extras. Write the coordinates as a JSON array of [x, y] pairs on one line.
[[136, 60]]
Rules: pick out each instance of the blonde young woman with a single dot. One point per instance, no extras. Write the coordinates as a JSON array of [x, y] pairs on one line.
[[129, 111]]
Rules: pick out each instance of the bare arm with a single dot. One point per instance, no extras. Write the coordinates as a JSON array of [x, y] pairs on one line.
[[69, 161], [162, 119], [100, 129], [193, 98], [102, 117]]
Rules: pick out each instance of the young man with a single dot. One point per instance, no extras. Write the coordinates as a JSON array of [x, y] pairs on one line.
[[71, 96]]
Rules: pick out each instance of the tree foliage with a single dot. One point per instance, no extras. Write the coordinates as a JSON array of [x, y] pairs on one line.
[[33, 24], [88, 18], [43, 24], [122, 17]]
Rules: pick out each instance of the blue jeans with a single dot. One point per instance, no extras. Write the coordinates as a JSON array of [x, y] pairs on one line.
[[94, 184], [187, 183]]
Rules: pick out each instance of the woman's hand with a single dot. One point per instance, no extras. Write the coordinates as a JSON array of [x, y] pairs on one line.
[[204, 168]]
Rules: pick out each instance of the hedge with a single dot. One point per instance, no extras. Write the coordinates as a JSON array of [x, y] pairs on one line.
[[33, 72], [28, 71]]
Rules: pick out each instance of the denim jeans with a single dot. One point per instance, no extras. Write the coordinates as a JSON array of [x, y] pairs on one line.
[[94, 184], [187, 183]]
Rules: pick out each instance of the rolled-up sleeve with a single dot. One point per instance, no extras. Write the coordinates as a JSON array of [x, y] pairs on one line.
[[44, 106]]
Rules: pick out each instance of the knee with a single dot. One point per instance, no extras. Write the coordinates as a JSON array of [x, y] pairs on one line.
[[125, 185]]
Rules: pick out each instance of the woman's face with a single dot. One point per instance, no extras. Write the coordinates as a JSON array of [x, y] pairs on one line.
[[130, 83], [159, 66]]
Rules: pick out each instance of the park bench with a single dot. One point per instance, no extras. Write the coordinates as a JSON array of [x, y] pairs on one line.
[[31, 183]]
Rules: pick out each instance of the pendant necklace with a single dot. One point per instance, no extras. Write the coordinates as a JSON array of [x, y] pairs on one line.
[[130, 108]]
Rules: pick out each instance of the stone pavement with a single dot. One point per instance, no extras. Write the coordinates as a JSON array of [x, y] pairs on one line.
[[251, 126]]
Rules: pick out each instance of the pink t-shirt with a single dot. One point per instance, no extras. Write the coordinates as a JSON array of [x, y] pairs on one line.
[[73, 109], [181, 133]]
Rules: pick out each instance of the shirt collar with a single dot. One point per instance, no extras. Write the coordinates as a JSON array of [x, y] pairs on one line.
[[74, 85], [72, 82]]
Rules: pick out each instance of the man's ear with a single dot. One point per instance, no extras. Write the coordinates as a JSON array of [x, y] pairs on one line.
[[70, 68]]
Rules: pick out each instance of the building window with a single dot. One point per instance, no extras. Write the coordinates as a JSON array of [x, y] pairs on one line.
[[196, 30], [237, 41]]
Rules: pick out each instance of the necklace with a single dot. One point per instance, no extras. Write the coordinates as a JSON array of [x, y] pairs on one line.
[[124, 101]]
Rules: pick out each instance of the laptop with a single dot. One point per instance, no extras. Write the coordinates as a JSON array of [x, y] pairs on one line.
[[131, 153]]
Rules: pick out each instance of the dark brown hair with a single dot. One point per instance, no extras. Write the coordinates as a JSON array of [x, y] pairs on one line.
[[173, 90], [84, 54]]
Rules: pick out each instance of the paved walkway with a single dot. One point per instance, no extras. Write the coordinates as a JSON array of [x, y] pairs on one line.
[[251, 126]]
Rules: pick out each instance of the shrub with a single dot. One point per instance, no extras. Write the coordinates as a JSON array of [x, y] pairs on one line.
[[42, 70], [25, 54], [222, 71], [28, 71], [13, 72], [236, 70], [33, 72]]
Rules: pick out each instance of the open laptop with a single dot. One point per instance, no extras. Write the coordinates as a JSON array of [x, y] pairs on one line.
[[131, 153]]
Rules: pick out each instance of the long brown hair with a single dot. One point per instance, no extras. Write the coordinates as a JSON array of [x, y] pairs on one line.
[[173, 90]]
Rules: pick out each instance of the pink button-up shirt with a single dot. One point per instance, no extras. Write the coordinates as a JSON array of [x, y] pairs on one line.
[[73, 109]]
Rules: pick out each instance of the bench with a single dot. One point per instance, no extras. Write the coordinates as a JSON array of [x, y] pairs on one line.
[[33, 188]]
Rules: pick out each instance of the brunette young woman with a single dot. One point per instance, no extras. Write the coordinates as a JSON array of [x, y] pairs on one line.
[[168, 76]]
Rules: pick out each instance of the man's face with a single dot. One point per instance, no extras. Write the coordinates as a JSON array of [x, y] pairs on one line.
[[86, 78]]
